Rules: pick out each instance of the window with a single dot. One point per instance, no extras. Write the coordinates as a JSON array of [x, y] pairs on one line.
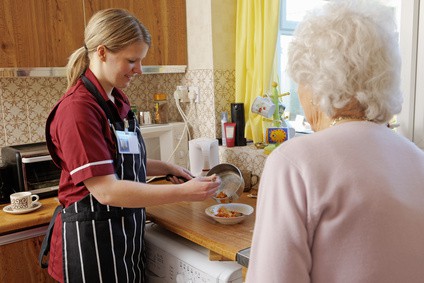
[[292, 11]]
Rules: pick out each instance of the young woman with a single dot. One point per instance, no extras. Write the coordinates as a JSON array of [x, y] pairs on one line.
[[93, 136]]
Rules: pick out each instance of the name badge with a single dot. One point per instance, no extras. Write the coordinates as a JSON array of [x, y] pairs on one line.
[[127, 142]]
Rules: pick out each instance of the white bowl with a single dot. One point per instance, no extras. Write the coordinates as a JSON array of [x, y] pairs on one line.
[[238, 207]]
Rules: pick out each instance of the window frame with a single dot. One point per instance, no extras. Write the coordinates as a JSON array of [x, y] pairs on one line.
[[412, 73]]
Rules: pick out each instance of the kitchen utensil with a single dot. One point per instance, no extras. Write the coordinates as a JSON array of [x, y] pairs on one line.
[[169, 177], [237, 207], [204, 154], [232, 183]]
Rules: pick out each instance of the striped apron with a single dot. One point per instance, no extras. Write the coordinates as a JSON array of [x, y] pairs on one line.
[[102, 243]]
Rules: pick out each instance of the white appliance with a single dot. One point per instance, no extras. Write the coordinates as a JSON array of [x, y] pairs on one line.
[[204, 155], [167, 142], [171, 258]]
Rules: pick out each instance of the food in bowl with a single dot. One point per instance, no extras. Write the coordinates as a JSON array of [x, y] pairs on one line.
[[221, 195], [243, 209], [224, 212]]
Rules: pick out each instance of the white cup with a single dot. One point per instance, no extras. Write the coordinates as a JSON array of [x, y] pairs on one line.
[[263, 106], [23, 200]]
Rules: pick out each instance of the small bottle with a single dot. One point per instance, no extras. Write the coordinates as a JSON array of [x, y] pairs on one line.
[[157, 114], [161, 108], [224, 119]]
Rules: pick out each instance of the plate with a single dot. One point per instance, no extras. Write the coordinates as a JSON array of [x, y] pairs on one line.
[[35, 205], [239, 207]]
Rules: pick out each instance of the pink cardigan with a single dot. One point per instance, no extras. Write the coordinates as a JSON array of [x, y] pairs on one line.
[[345, 204]]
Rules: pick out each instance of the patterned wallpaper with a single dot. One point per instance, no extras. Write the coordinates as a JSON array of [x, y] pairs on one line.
[[26, 101]]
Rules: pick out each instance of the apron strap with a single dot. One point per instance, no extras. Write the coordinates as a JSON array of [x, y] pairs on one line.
[[45, 246], [95, 92]]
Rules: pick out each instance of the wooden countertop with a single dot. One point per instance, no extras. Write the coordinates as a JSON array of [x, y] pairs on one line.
[[10, 223], [189, 220]]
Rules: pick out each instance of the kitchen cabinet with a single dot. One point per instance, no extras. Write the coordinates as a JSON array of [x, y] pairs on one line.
[[44, 33], [21, 237], [19, 262], [166, 21], [39, 33]]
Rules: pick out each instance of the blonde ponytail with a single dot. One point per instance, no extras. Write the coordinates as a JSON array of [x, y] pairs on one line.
[[77, 63]]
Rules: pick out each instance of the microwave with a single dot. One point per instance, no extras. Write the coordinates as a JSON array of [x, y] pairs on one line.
[[31, 169], [167, 142]]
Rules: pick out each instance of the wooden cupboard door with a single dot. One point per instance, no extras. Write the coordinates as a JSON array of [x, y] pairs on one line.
[[166, 21], [39, 33], [19, 262]]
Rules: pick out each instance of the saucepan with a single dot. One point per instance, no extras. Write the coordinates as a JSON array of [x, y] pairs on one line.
[[232, 183]]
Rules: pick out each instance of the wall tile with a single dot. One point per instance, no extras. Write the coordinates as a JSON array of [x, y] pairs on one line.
[[26, 102], [17, 133], [13, 88]]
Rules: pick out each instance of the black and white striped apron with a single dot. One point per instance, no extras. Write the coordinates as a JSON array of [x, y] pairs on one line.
[[103, 243]]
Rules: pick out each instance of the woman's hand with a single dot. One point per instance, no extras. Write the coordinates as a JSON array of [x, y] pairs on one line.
[[201, 188], [178, 174]]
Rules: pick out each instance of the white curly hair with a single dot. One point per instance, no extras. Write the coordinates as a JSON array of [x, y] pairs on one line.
[[349, 50]]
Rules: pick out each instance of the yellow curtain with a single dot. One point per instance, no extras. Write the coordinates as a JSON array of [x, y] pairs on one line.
[[256, 39]]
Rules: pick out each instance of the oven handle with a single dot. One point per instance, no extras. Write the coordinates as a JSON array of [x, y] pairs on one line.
[[36, 159]]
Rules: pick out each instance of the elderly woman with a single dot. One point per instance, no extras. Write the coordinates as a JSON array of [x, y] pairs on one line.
[[346, 203]]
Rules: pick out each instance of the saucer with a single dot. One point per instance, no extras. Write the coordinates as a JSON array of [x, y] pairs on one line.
[[35, 205]]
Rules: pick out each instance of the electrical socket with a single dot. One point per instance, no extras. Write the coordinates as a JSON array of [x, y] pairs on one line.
[[193, 92], [183, 93]]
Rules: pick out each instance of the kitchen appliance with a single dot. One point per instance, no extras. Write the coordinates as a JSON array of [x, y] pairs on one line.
[[237, 116], [204, 154], [171, 258], [167, 142], [5, 186], [32, 169]]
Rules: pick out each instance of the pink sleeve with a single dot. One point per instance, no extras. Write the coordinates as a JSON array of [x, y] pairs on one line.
[[280, 250]]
